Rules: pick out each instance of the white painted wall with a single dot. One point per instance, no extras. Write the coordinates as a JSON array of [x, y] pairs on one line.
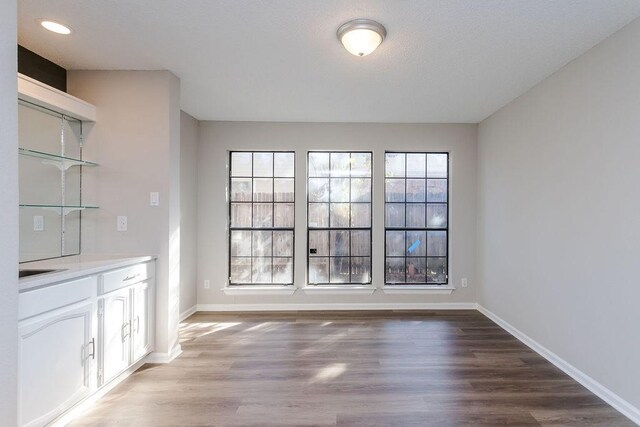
[[136, 141], [8, 215], [189, 212], [559, 213], [217, 138]]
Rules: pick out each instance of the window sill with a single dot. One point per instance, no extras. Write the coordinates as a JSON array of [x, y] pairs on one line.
[[418, 289], [338, 290], [259, 290]]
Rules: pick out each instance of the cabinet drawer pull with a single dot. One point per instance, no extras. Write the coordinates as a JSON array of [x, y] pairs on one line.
[[137, 325], [126, 279], [126, 327], [93, 348]]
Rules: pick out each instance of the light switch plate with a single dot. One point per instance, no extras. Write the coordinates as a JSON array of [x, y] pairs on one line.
[[121, 224], [154, 198], [465, 283], [38, 223]]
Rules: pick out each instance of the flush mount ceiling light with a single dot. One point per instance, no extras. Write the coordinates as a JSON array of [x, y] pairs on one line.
[[54, 26], [361, 36]]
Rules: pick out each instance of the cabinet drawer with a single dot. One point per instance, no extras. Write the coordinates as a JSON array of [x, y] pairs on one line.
[[123, 277], [38, 301]]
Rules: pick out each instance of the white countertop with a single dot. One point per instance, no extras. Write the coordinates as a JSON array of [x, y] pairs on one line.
[[75, 266]]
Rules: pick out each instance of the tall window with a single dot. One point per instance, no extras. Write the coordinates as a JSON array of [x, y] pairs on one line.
[[261, 217], [416, 218], [339, 217]]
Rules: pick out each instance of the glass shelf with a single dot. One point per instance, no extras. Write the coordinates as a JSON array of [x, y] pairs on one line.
[[56, 160], [60, 209]]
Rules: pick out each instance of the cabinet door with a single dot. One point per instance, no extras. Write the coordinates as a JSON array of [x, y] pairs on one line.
[[115, 333], [56, 354], [142, 319]]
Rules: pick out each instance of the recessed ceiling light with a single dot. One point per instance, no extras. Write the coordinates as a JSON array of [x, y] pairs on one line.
[[54, 26], [361, 36]]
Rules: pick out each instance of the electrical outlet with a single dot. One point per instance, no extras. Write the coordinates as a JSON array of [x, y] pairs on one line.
[[207, 284], [154, 198], [121, 224], [464, 282], [38, 223]]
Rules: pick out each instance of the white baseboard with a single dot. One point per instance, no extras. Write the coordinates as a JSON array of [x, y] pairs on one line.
[[188, 312], [624, 407], [339, 306], [157, 357]]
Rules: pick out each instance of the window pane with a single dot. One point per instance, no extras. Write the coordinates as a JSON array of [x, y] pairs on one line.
[[340, 164], [262, 190], [415, 215], [361, 243], [437, 243], [282, 270], [342, 205], [437, 190], [395, 243], [240, 214], [339, 241], [436, 270], [416, 243], [240, 270], [416, 165], [262, 215], [260, 201], [283, 215], [241, 243], [436, 165], [360, 215], [261, 272], [318, 164], [360, 270], [416, 270], [241, 164], [319, 242], [415, 250], [415, 190], [361, 190], [340, 189], [339, 272], [394, 190], [318, 214], [283, 190], [262, 164], [318, 189], [319, 270], [283, 243], [394, 215], [339, 215], [437, 216], [241, 190], [360, 164], [284, 164], [394, 270], [261, 243], [394, 164]]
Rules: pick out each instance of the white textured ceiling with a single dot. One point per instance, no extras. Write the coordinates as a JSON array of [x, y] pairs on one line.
[[280, 60]]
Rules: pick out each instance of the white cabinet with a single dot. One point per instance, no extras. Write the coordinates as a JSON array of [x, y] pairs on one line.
[[56, 354], [141, 318], [125, 318], [115, 331], [78, 335]]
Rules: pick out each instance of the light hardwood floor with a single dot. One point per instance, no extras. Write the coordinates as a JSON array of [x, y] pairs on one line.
[[350, 368]]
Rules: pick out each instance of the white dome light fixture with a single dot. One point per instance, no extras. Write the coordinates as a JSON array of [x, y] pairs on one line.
[[361, 36]]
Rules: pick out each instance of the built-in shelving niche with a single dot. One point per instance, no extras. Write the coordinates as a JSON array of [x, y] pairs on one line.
[[51, 174]]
